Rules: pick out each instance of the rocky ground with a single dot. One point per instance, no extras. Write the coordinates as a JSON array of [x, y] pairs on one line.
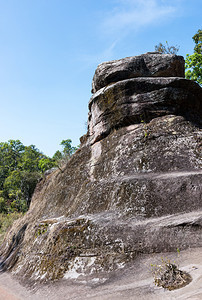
[[133, 282]]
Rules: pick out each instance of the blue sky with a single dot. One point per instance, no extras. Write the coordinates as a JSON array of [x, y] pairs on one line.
[[49, 50]]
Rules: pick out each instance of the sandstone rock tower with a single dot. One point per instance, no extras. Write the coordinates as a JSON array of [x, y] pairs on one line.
[[133, 187]]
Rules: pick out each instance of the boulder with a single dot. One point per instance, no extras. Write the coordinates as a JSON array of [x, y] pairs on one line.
[[136, 100], [133, 187], [151, 64]]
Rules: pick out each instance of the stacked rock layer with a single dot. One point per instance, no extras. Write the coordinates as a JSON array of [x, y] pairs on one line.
[[138, 89], [133, 187]]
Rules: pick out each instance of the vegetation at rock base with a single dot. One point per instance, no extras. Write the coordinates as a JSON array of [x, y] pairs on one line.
[[193, 62], [166, 49], [168, 275], [21, 167]]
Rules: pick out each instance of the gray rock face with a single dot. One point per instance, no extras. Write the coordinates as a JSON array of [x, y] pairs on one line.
[[152, 64], [134, 100], [133, 187]]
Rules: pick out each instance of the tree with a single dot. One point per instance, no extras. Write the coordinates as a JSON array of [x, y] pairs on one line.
[[193, 62], [60, 157], [57, 156], [68, 149], [30, 159], [166, 49], [29, 181], [46, 164], [21, 167], [10, 157], [14, 194]]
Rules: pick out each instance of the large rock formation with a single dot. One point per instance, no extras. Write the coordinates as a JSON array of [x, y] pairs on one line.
[[133, 187], [151, 64]]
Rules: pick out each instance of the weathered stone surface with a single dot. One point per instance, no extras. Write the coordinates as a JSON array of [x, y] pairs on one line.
[[134, 187], [98, 213], [152, 64], [142, 99], [128, 283]]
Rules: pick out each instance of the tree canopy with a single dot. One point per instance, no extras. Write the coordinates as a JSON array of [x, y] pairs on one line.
[[21, 167], [20, 170], [193, 62], [60, 157]]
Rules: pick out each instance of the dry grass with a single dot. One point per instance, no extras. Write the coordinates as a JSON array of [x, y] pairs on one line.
[[6, 220]]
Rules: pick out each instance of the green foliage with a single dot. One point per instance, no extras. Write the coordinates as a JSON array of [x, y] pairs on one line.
[[21, 167], [3, 207], [60, 157], [10, 156], [30, 159], [57, 156], [193, 62], [42, 228], [146, 130], [198, 42], [46, 164], [166, 49], [68, 149]]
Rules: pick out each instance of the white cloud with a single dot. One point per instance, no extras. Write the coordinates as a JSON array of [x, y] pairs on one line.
[[133, 14], [93, 59], [105, 55]]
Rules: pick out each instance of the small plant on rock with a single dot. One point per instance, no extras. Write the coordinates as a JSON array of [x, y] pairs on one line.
[[168, 275], [145, 128]]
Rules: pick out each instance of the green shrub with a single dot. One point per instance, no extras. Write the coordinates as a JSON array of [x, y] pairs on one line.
[[3, 206]]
